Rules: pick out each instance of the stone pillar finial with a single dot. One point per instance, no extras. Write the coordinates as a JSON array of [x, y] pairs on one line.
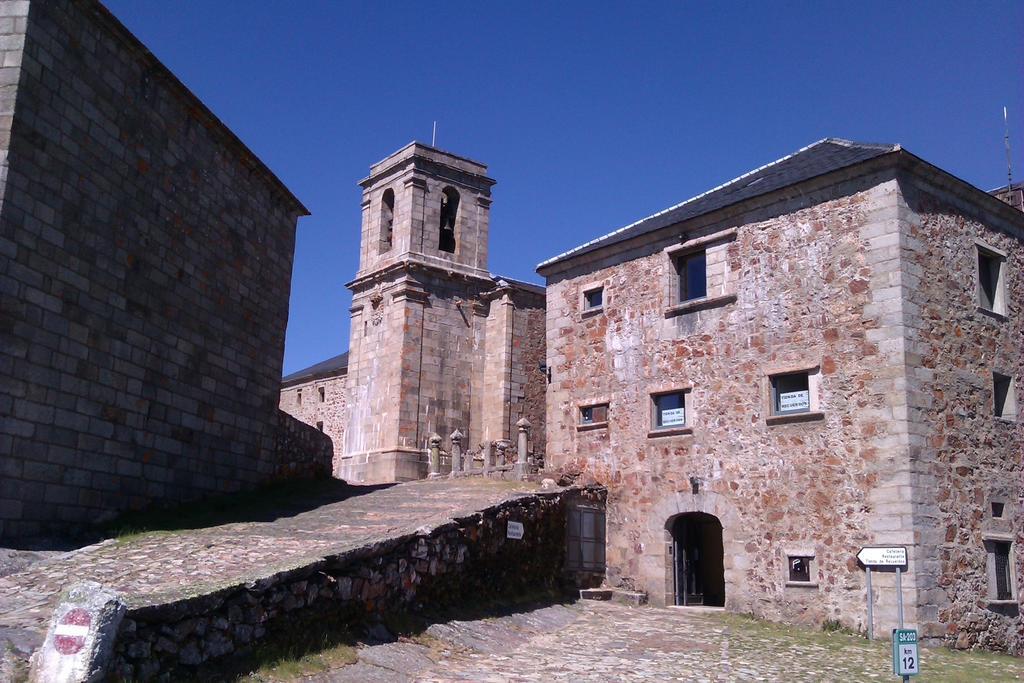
[[502, 446], [487, 447], [521, 446], [435, 454], [457, 437]]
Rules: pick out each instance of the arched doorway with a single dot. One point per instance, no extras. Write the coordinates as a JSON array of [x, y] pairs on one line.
[[699, 560]]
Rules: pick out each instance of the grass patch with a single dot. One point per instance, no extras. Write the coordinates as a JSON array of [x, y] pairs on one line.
[[308, 644], [265, 504]]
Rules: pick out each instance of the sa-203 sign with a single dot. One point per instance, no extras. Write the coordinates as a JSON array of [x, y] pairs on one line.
[[905, 660]]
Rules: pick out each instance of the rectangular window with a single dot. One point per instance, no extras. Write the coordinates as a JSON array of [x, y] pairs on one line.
[[298, 396], [593, 298], [692, 270], [800, 569], [1001, 558], [320, 426], [1004, 403], [670, 410], [997, 509], [595, 414], [791, 394], [322, 394], [991, 294]]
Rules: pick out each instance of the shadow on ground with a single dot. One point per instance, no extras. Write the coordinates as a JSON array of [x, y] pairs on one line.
[[265, 504], [317, 644]]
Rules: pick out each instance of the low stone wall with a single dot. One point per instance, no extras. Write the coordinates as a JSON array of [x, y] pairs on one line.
[[466, 560], [300, 451]]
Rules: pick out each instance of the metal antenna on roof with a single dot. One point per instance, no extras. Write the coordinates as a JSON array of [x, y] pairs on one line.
[[433, 136], [1006, 139]]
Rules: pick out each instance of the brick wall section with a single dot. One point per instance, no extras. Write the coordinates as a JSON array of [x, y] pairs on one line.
[[13, 23], [332, 411], [529, 383], [145, 284], [964, 457], [301, 451]]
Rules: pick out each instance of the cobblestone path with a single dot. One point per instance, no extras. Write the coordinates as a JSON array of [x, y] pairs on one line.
[[152, 567], [593, 641]]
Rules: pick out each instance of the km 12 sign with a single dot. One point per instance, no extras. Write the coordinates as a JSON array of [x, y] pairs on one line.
[[892, 556]]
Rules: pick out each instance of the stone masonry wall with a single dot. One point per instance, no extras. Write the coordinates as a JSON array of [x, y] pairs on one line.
[[301, 451], [329, 409], [965, 458], [801, 284], [144, 285], [464, 562], [529, 382]]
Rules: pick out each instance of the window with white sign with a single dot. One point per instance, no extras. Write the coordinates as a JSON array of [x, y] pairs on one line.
[[670, 410], [791, 393]]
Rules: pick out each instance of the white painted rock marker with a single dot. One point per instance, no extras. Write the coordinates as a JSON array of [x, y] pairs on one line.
[[81, 636]]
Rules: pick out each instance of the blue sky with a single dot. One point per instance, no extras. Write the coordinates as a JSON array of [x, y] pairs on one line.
[[589, 115]]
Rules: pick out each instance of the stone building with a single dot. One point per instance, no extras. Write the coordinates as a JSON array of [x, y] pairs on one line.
[[438, 344], [823, 354], [318, 396], [145, 256]]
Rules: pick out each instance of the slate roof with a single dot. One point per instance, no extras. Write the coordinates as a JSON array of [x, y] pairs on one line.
[[824, 156], [331, 366]]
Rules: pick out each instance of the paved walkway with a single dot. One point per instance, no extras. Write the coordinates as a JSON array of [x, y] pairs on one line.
[[152, 567], [594, 641]]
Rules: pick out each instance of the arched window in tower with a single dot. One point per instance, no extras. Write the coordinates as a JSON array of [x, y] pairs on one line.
[[449, 212], [387, 219]]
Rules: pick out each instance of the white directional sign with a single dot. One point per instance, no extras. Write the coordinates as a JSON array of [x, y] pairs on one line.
[[892, 556], [515, 530]]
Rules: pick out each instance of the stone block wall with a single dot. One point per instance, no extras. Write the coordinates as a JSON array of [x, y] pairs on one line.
[[964, 457], [144, 285], [463, 562], [301, 451], [323, 404], [797, 285]]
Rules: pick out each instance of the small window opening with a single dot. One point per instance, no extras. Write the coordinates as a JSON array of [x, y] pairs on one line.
[[692, 270], [791, 394], [387, 220], [997, 510], [323, 393], [320, 426], [449, 213], [593, 299], [1004, 583], [670, 410], [298, 396], [694, 485], [990, 273], [594, 414], [1004, 403], [800, 569]]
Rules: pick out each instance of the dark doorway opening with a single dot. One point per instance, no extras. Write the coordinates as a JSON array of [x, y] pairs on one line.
[[699, 565]]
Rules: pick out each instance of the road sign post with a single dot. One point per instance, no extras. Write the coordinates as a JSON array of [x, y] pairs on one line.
[[905, 659], [879, 557]]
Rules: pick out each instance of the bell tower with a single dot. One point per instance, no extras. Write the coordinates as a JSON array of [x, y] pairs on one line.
[[414, 342], [422, 204]]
